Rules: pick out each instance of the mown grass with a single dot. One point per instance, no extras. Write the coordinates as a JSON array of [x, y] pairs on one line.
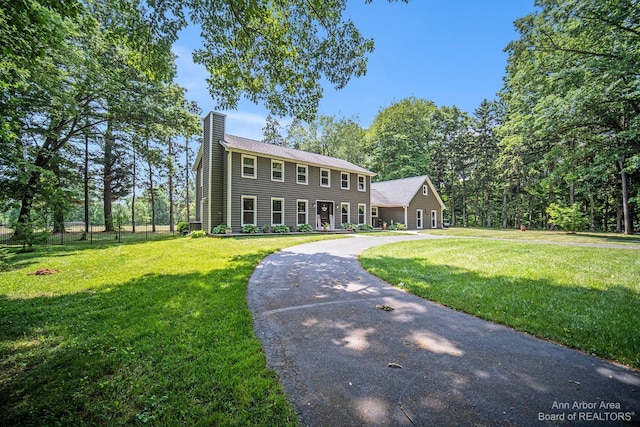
[[584, 297], [154, 333], [540, 235]]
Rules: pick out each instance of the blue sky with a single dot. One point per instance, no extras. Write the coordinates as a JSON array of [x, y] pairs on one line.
[[449, 52]]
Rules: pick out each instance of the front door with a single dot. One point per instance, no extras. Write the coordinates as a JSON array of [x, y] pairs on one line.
[[324, 212]]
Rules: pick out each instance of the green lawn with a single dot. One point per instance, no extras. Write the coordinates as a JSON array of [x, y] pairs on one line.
[[585, 297], [154, 333], [540, 235]]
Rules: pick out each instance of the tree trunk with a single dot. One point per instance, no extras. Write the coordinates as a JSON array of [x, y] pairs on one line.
[[453, 203], [133, 194], [152, 197], [186, 173], [107, 195], [626, 210], [171, 220], [86, 183], [26, 204]]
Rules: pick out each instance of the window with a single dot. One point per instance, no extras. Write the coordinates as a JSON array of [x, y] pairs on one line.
[[277, 211], [344, 208], [248, 166], [302, 212], [277, 170], [362, 215], [302, 174], [374, 211], [249, 210], [344, 180], [425, 190], [325, 178], [362, 183], [434, 219], [419, 218]]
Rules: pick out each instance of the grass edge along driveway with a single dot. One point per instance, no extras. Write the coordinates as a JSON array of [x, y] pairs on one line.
[[152, 333], [587, 298]]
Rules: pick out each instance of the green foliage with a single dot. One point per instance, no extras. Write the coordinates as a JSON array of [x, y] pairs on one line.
[[198, 234], [397, 226], [182, 227], [5, 258], [281, 229], [365, 227], [305, 228], [250, 229], [220, 229], [348, 226], [266, 229], [569, 218]]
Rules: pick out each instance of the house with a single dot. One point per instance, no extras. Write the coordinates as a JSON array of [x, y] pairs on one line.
[[241, 181], [412, 201]]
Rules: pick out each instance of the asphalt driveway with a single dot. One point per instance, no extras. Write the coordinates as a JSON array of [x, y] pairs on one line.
[[344, 360]]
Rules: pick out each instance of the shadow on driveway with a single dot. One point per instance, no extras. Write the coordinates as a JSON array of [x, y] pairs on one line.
[[344, 361]]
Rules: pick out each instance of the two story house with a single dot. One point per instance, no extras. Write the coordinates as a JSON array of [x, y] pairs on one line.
[[241, 181]]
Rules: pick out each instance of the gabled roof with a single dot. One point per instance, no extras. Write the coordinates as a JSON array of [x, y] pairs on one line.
[[400, 192], [250, 146]]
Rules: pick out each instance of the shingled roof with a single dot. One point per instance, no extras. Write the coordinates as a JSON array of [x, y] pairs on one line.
[[400, 192], [236, 143]]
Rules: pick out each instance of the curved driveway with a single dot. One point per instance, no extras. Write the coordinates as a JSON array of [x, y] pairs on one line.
[[343, 361]]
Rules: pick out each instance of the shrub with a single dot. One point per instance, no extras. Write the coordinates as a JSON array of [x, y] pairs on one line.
[[305, 228], [182, 227], [266, 229], [196, 234], [220, 229], [401, 226], [293, 228], [365, 227], [281, 229], [250, 229], [4, 259], [569, 218]]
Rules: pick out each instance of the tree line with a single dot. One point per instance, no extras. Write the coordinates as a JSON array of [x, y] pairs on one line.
[[563, 133], [88, 102]]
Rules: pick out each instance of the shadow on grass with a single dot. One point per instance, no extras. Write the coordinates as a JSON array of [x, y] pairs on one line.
[[164, 349], [600, 322]]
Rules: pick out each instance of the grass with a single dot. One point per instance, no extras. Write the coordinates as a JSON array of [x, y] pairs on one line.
[[584, 297], [540, 235], [154, 333]]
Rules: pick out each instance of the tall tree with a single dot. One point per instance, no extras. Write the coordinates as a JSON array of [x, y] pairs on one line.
[[401, 139], [574, 69]]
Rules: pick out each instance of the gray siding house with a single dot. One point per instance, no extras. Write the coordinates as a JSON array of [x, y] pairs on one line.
[[241, 181], [412, 201]]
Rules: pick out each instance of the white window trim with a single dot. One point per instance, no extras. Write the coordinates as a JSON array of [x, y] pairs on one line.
[[273, 170], [419, 218], [374, 211], [364, 216], [348, 211], [328, 185], [255, 210], [306, 211], [348, 187], [281, 212], [306, 175], [255, 166], [425, 190], [364, 183], [434, 219]]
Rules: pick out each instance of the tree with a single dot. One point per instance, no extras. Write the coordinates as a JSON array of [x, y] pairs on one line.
[[401, 139], [569, 218], [574, 71]]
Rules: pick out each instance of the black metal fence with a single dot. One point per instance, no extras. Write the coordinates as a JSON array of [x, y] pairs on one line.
[[75, 233]]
